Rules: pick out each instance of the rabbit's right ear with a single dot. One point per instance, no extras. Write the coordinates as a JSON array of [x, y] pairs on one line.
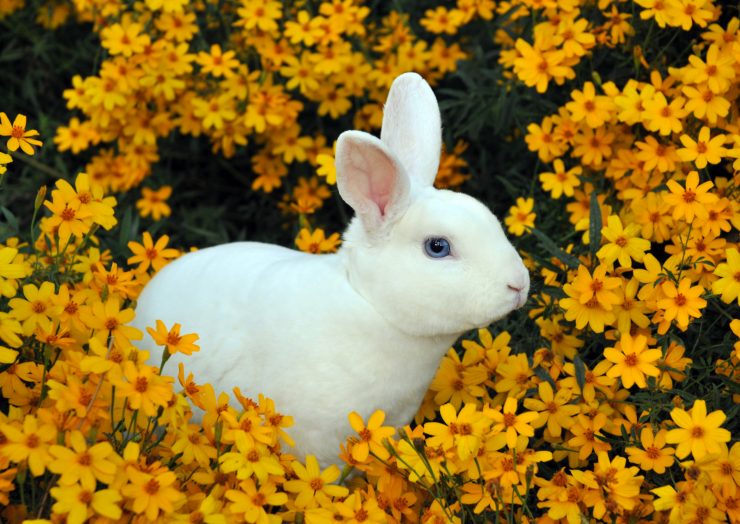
[[412, 127], [371, 179]]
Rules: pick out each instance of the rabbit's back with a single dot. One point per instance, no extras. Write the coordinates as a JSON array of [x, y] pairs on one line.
[[290, 326]]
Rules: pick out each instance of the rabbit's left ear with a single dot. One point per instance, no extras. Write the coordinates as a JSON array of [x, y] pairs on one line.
[[370, 179], [412, 127]]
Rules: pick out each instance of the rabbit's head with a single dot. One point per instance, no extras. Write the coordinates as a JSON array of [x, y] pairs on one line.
[[431, 262]]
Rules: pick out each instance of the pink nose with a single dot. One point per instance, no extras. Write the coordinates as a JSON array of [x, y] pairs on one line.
[[514, 288]]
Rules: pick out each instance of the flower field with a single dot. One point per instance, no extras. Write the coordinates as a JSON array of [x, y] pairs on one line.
[[605, 135]]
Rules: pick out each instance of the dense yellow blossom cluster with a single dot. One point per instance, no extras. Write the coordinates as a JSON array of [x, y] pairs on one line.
[[648, 170]]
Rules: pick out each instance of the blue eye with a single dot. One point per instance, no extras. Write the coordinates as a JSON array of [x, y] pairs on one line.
[[437, 247]]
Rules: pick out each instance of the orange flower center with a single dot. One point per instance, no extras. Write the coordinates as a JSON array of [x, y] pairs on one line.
[[84, 459], [621, 241], [630, 360], [142, 384], [652, 452], [680, 300], [151, 487], [111, 324], [38, 307], [666, 112], [17, 132], [596, 285], [196, 517], [32, 441], [151, 253], [253, 456], [316, 484], [361, 515], [173, 339], [68, 214], [689, 196], [701, 148], [85, 497], [509, 419], [736, 276], [697, 432]]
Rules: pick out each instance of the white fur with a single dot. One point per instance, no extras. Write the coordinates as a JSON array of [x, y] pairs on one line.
[[364, 329]]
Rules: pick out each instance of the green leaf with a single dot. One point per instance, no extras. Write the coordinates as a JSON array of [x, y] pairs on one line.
[[580, 372], [552, 248], [594, 224]]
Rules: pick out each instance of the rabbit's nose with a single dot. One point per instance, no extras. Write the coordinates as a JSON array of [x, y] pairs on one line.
[[514, 288]]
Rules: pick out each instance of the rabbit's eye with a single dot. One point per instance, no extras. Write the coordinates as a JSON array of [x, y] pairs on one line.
[[437, 247]]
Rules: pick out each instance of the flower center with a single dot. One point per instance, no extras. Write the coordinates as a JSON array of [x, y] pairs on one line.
[[142, 384], [17, 132], [680, 300], [630, 360], [509, 419], [151, 487]]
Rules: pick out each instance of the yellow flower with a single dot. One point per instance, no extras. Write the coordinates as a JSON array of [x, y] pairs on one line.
[[312, 484], [704, 150], [691, 200], [681, 302], [142, 388], [728, 283], [536, 67], [717, 71], [12, 268], [250, 501], [461, 431], [657, 9], [107, 318], [250, 458], [4, 159], [125, 38], [662, 116], [150, 494], [29, 442], [697, 433], [704, 103], [149, 253], [593, 146], [512, 425], [79, 463], [624, 244], [216, 111], [372, 435], [586, 105], [327, 168], [193, 445], [217, 63], [632, 360], [587, 437], [154, 202], [653, 456], [442, 20], [315, 242], [561, 181], [19, 136], [36, 309], [521, 217], [554, 410], [543, 140], [173, 340], [79, 503]]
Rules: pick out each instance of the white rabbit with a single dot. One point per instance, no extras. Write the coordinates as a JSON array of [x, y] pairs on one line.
[[362, 329]]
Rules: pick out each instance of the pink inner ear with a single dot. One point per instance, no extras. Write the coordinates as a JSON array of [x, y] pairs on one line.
[[381, 181]]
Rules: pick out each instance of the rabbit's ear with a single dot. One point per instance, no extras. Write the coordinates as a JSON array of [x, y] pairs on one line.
[[370, 179], [412, 128]]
